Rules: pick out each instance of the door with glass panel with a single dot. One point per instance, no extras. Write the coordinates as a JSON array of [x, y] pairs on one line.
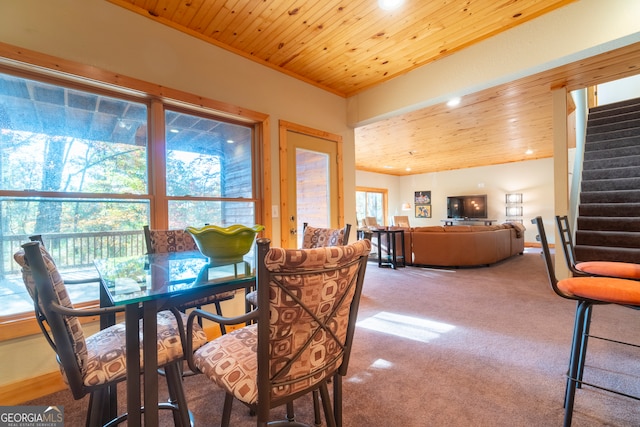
[[313, 191]]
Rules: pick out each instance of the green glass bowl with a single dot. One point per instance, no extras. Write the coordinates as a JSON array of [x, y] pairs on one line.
[[224, 245]]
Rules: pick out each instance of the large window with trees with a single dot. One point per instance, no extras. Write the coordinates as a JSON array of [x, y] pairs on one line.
[[371, 202], [86, 167], [209, 171]]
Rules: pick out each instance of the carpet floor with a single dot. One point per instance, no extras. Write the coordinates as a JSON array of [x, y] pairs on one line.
[[483, 346]]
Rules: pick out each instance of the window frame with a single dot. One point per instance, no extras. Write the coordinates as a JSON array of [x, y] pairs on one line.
[[78, 76]]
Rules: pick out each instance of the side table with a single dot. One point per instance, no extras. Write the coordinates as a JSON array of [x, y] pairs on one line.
[[394, 257]]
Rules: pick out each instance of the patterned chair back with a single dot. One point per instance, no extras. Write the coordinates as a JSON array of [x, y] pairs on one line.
[[65, 334], [163, 241], [313, 295], [316, 237]]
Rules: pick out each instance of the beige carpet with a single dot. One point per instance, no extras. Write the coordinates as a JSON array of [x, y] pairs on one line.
[[462, 347]]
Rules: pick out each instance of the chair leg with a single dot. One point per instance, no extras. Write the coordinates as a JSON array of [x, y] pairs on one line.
[[337, 399], [316, 408], [572, 380], [112, 411], [291, 417], [226, 410], [574, 343], [103, 407], [94, 417], [585, 338], [326, 404], [173, 373]]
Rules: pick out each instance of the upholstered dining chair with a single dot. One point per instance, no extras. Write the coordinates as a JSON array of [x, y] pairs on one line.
[[401, 221], [371, 222], [314, 237], [587, 291], [95, 364], [622, 270], [164, 241], [318, 237], [307, 307]]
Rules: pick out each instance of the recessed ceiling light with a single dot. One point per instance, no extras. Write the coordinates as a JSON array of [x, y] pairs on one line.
[[408, 169], [390, 4], [529, 152], [453, 102], [230, 141], [174, 130]]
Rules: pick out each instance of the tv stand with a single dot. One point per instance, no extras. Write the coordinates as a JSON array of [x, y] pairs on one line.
[[468, 221]]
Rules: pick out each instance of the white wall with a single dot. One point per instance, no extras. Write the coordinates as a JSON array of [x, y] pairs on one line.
[[619, 90], [534, 179]]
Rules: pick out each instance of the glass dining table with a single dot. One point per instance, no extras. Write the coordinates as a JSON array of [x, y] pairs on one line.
[[158, 282]]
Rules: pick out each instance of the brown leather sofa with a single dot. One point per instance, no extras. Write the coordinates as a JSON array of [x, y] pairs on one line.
[[463, 245]]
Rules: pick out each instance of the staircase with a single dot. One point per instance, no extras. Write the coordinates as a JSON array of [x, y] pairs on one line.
[[608, 226]]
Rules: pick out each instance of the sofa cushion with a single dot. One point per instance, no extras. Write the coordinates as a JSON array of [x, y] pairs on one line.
[[429, 228], [458, 228]]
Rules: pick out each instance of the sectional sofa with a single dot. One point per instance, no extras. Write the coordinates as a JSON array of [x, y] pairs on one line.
[[462, 245]]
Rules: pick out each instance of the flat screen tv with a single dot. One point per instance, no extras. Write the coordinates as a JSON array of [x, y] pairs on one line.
[[462, 207]]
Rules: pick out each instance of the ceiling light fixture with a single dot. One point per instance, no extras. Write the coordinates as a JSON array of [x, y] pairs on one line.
[[390, 4], [453, 102]]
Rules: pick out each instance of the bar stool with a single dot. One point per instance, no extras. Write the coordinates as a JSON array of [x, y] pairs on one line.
[[622, 270], [587, 291]]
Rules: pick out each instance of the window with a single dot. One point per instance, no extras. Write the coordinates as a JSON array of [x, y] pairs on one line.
[[209, 171], [371, 202], [76, 167]]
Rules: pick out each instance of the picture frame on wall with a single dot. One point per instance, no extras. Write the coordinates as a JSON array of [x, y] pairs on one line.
[[423, 211], [422, 203], [422, 198]]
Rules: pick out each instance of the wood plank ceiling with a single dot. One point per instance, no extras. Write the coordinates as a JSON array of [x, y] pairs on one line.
[[346, 47]]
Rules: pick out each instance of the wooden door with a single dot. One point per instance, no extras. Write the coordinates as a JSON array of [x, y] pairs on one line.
[[311, 181]]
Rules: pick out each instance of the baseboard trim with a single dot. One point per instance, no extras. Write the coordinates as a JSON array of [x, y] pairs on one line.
[[31, 388]]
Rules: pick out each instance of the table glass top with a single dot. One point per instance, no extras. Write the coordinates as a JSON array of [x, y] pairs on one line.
[[140, 278]]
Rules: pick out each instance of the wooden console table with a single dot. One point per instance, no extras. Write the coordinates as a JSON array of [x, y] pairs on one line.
[[394, 257], [469, 221]]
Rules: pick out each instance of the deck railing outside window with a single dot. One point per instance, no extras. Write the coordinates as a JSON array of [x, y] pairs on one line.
[[74, 254]]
